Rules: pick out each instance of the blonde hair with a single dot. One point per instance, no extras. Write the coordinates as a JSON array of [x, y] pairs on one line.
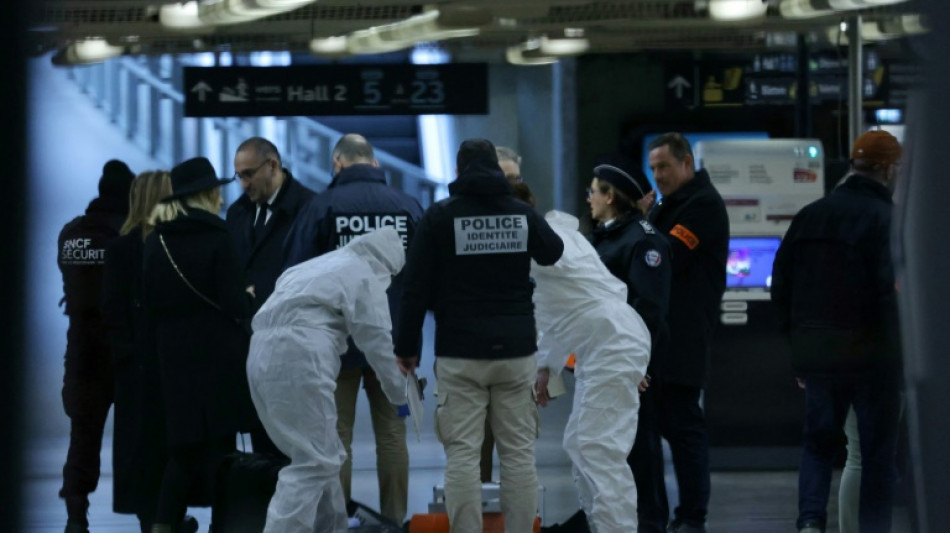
[[209, 200], [148, 189]]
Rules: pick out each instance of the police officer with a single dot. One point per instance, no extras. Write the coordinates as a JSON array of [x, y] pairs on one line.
[[470, 263], [259, 223], [87, 382], [692, 215], [636, 253], [359, 201]]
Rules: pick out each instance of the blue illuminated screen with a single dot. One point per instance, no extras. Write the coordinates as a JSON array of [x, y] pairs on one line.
[[749, 264]]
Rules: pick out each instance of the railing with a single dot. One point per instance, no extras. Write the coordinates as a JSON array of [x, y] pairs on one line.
[[143, 97]]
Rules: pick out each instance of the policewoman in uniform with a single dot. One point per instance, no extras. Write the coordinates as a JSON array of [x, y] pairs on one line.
[[639, 256], [357, 202], [470, 263], [88, 378]]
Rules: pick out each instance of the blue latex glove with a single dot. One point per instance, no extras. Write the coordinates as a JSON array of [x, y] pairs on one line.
[[402, 410]]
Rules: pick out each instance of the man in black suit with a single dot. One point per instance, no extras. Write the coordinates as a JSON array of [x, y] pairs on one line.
[[259, 222]]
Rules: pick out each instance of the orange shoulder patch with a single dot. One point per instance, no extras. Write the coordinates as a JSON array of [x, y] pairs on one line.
[[682, 233]]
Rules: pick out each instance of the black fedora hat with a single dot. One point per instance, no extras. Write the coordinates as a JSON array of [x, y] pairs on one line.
[[193, 176]]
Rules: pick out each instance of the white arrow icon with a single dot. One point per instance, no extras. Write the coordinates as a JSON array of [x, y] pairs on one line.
[[678, 84], [202, 89]]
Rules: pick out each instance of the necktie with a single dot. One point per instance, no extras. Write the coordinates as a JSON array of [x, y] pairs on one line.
[[261, 220]]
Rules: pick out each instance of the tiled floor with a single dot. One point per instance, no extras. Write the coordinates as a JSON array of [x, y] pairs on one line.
[[760, 502]]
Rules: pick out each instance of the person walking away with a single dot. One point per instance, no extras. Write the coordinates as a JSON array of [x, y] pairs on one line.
[[88, 379]]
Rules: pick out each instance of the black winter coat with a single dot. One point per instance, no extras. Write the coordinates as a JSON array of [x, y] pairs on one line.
[[635, 253], [695, 223], [356, 202], [264, 259], [833, 283], [87, 379], [138, 442], [201, 350], [470, 263]]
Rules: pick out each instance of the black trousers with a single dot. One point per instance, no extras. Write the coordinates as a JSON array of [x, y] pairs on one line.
[[671, 411], [87, 398]]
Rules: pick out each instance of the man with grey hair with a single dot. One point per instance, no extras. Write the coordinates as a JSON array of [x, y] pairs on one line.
[[510, 163], [358, 201], [259, 222]]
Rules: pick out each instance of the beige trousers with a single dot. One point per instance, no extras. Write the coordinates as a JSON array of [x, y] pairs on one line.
[[502, 390], [392, 455]]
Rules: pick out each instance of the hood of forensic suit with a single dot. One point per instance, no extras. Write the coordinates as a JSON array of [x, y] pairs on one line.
[[382, 250]]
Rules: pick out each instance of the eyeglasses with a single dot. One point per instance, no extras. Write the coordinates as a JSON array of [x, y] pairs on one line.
[[249, 173], [590, 192]]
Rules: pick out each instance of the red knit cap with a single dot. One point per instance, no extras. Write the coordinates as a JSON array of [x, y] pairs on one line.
[[877, 146]]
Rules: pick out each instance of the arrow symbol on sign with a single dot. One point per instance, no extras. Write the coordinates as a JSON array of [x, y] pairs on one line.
[[678, 84], [202, 89]]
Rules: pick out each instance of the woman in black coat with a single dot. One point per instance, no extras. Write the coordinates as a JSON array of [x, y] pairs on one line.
[[194, 293], [138, 442]]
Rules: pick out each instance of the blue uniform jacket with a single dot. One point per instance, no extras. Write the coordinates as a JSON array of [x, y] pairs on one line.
[[356, 202]]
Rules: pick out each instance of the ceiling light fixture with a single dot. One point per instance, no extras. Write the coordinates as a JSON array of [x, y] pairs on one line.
[[799, 9], [223, 12], [736, 10], [329, 46], [182, 16], [528, 53], [88, 51], [562, 47], [425, 27]]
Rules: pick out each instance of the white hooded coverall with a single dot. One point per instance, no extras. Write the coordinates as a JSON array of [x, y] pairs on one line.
[[294, 359], [581, 308]]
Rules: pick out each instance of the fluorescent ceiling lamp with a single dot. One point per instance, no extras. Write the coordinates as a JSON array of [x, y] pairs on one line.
[[563, 47], [222, 12], [404, 34], [87, 51], [844, 5], [732, 10], [329, 46], [182, 16], [528, 54], [801, 9], [369, 41], [818, 8], [881, 30]]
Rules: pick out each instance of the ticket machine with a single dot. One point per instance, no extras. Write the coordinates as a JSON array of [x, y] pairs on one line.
[[753, 404]]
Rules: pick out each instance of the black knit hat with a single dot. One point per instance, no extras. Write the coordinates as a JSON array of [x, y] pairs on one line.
[[116, 181], [473, 150], [629, 181], [193, 176]]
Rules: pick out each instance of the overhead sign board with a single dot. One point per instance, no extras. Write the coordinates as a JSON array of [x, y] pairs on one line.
[[314, 90]]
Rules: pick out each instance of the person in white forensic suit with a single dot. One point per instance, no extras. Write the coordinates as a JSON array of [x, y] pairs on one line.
[[581, 308], [294, 360]]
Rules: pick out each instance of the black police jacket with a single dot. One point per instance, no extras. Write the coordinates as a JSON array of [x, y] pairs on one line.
[[358, 201], [263, 259], [833, 282], [470, 264], [638, 255], [695, 223], [82, 253]]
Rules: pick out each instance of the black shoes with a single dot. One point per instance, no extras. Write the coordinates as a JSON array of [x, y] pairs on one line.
[[679, 526], [73, 527], [189, 524]]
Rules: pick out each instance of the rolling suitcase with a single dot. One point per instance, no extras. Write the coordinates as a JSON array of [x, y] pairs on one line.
[[244, 485]]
